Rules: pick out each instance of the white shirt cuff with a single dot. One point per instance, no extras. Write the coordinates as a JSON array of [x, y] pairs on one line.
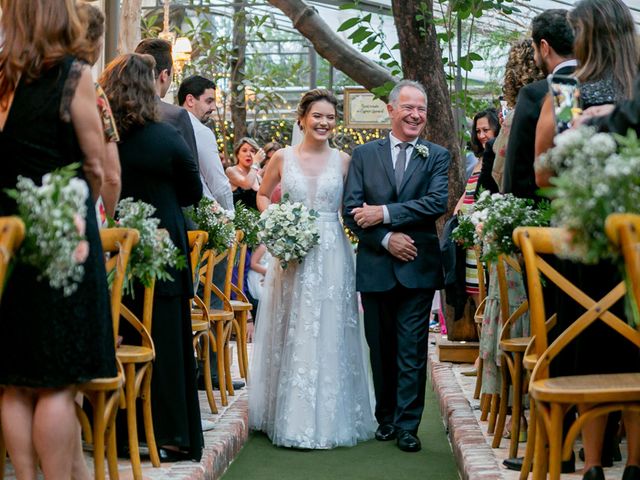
[[385, 213], [385, 240]]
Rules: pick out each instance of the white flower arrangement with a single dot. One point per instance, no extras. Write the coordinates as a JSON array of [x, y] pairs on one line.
[[289, 230], [422, 150], [155, 252], [54, 215], [597, 174], [217, 222], [492, 219]]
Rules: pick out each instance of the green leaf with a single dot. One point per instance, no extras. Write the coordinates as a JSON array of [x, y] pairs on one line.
[[371, 44], [383, 90], [474, 56], [360, 34], [385, 56], [347, 24], [348, 6]]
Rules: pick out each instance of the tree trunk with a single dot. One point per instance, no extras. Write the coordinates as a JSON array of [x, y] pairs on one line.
[[239, 48], [331, 47], [129, 35]]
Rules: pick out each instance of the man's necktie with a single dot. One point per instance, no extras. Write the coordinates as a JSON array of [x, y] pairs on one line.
[[401, 161]]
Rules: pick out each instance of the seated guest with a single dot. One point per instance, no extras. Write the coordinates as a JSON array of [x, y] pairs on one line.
[[158, 168]]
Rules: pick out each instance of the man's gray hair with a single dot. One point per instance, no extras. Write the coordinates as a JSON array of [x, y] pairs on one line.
[[395, 92]]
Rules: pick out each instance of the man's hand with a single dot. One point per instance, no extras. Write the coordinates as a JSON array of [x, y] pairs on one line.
[[402, 247], [368, 215], [250, 331]]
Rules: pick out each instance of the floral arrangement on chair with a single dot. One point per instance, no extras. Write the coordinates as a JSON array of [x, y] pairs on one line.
[[596, 174], [216, 221], [289, 230], [247, 220], [54, 216], [155, 253], [492, 219]]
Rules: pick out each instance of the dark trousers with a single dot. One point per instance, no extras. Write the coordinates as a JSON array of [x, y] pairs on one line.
[[397, 330]]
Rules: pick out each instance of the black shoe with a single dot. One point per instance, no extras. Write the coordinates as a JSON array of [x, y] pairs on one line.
[[237, 384], [594, 473], [408, 442], [386, 432], [631, 472], [170, 455], [516, 464]]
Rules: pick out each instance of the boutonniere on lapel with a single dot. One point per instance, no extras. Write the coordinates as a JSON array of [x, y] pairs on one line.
[[422, 150]]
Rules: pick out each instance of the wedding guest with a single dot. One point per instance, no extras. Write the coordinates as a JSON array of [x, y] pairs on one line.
[[260, 259], [158, 168], [269, 149], [48, 119], [485, 127], [244, 175], [110, 192], [607, 55], [196, 95]]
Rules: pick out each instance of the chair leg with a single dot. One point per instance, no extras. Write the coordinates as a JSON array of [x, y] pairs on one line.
[[493, 412], [85, 424], [132, 422], [485, 404], [208, 386], [531, 439], [227, 363], [516, 411], [219, 342], [239, 354], [245, 355], [98, 435], [555, 442], [504, 405], [540, 456], [145, 395], [476, 393], [112, 451]]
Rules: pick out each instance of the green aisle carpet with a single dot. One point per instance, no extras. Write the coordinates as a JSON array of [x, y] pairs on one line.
[[373, 460]]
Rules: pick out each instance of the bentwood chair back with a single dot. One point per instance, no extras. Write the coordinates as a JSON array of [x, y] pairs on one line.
[[104, 393], [11, 235], [554, 396], [241, 307]]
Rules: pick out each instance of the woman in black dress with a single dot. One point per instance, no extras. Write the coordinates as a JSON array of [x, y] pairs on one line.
[[244, 176], [48, 342], [158, 168]]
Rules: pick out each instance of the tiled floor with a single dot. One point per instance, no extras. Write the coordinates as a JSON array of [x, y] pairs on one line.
[[470, 440]]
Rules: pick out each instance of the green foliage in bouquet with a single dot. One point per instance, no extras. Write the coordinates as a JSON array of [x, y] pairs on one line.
[[216, 221], [54, 216], [155, 253], [597, 174], [247, 220]]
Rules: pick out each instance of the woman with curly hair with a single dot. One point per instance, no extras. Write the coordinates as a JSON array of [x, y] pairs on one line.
[[520, 70], [158, 168]]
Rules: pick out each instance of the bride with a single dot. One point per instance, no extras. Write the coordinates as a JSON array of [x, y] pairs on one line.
[[310, 383]]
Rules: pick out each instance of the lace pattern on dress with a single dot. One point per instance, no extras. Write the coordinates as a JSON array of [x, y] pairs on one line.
[[69, 90]]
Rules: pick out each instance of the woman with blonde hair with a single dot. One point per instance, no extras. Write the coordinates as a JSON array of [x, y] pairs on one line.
[[49, 343]]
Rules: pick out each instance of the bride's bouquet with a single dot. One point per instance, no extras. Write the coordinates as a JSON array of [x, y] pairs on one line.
[[54, 215], [289, 230]]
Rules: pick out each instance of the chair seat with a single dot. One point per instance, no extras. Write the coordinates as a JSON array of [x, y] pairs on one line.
[[518, 344], [199, 325], [613, 387], [134, 354], [214, 314], [239, 306], [529, 361]]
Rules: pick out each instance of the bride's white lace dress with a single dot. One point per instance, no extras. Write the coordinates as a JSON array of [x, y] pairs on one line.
[[309, 377]]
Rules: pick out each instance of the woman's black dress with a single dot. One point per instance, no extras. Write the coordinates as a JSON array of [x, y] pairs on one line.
[[248, 197], [46, 339], [159, 169]]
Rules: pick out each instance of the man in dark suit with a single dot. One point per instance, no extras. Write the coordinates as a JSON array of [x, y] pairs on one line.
[[553, 45], [395, 191], [160, 50]]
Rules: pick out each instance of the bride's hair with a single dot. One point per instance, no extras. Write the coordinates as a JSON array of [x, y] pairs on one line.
[[313, 96]]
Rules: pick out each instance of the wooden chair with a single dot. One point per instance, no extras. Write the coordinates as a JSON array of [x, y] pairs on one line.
[[138, 367], [220, 320], [512, 356], [241, 307], [478, 317], [104, 393], [598, 394], [11, 235], [199, 323]]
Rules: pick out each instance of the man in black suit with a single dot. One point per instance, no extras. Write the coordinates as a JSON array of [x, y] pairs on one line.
[[160, 50], [395, 191], [553, 45]]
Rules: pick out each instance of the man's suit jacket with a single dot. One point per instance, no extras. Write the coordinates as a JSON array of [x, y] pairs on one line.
[[414, 210], [625, 116], [519, 176], [178, 117]]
